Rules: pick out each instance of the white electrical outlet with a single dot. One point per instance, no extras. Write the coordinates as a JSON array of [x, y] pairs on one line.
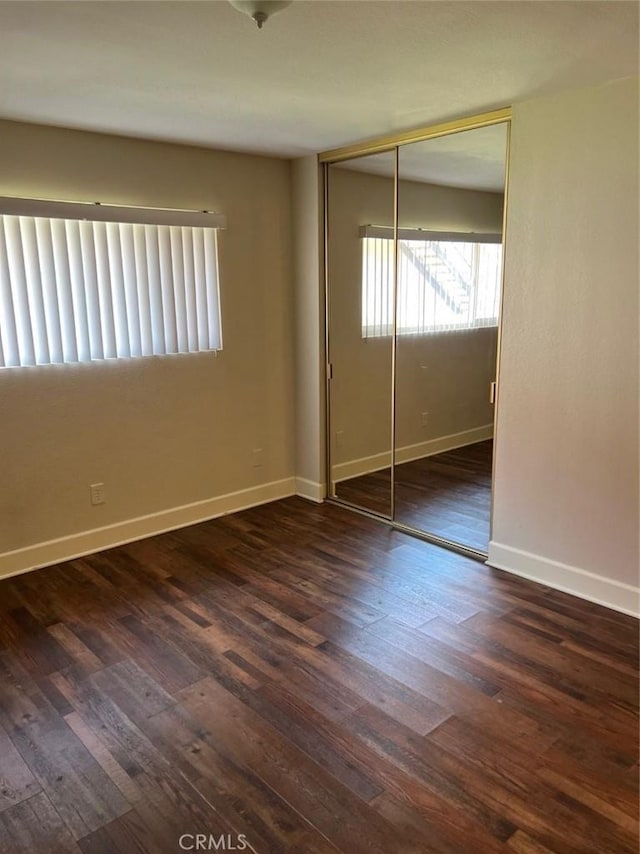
[[339, 438], [256, 457], [97, 493], [425, 419]]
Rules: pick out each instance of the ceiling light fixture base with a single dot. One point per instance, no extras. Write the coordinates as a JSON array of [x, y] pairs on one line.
[[260, 10]]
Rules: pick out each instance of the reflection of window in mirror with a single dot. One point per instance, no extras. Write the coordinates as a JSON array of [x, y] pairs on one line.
[[449, 265], [446, 282]]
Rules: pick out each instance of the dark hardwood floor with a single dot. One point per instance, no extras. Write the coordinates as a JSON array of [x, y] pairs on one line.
[[447, 494], [307, 680]]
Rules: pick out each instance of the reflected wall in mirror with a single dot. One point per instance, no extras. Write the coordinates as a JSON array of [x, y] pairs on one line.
[[450, 215], [360, 191]]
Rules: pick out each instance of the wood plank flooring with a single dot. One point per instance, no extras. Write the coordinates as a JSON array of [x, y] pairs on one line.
[[297, 678], [447, 494]]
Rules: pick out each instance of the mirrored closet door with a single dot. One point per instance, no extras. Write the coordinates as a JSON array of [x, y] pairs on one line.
[[450, 214], [361, 293], [414, 248]]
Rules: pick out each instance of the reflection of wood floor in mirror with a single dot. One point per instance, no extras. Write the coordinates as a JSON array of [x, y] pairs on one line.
[[447, 494]]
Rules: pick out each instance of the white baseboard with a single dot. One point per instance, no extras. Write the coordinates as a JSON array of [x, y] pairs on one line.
[[97, 539], [364, 465], [569, 579], [311, 490], [444, 443], [408, 453]]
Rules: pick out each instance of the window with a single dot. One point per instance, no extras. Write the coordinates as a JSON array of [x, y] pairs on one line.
[[446, 281], [83, 282]]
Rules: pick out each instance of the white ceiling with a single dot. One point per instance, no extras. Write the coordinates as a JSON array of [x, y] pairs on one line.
[[473, 159], [320, 74]]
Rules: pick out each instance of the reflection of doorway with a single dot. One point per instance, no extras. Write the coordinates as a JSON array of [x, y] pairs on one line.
[[413, 307]]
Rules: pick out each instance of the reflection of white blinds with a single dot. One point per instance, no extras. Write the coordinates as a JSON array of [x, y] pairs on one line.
[[74, 290], [378, 261], [446, 281]]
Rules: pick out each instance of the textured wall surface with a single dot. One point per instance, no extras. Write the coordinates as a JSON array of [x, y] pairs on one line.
[[567, 450]]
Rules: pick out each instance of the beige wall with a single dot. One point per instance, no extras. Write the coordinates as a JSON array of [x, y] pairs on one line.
[[308, 231], [446, 375], [566, 491], [166, 431]]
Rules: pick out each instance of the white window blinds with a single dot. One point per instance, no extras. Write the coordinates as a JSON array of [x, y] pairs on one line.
[[75, 290], [446, 281]]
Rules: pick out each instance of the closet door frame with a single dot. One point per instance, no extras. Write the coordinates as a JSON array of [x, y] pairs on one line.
[[378, 146]]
